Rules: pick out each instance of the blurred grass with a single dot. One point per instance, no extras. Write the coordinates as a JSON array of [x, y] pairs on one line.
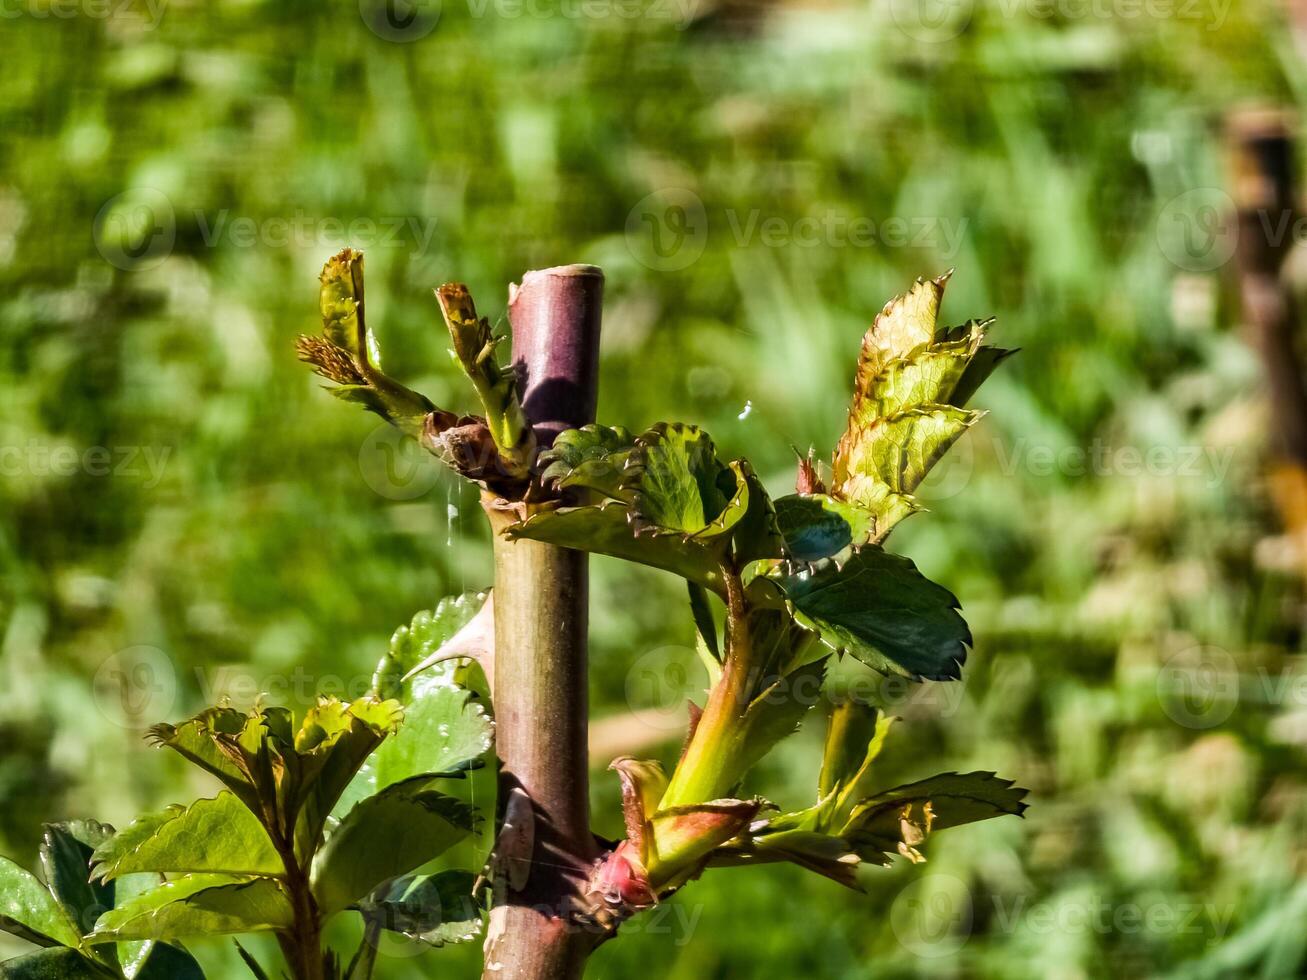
[[240, 532]]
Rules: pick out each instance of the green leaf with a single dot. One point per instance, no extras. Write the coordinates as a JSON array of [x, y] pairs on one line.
[[446, 729], [59, 963], [879, 608], [855, 736], [435, 909], [66, 850], [906, 412], [252, 964], [401, 828], [211, 740], [678, 483], [905, 324], [593, 457], [29, 911], [198, 905], [218, 835], [927, 377], [892, 455], [704, 624], [604, 530], [133, 954], [411, 645], [825, 854], [757, 534], [168, 962], [474, 350], [817, 526], [899, 819], [332, 744], [347, 352]]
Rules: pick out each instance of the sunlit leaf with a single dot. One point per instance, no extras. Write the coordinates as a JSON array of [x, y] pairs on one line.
[[399, 829], [678, 483], [474, 350], [347, 353], [605, 530], [198, 905], [818, 526], [592, 457], [29, 911], [332, 744], [66, 850], [899, 819], [879, 608], [446, 729], [219, 835]]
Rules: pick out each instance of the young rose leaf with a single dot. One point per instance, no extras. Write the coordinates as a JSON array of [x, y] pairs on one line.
[[905, 324], [198, 905], [30, 912], [818, 526], [401, 828], [446, 730], [855, 736], [133, 954], [605, 530], [643, 785], [58, 963], [435, 909], [682, 838], [331, 746], [879, 608], [888, 458], [906, 412], [347, 352], [210, 740], [593, 457], [678, 483], [474, 350], [219, 835], [899, 819], [826, 854], [66, 850]]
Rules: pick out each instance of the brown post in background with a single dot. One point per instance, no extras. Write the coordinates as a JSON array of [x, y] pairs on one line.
[[545, 850], [1263, 185]]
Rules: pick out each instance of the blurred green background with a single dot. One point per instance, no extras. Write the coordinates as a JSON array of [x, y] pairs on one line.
[[184, 513]]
